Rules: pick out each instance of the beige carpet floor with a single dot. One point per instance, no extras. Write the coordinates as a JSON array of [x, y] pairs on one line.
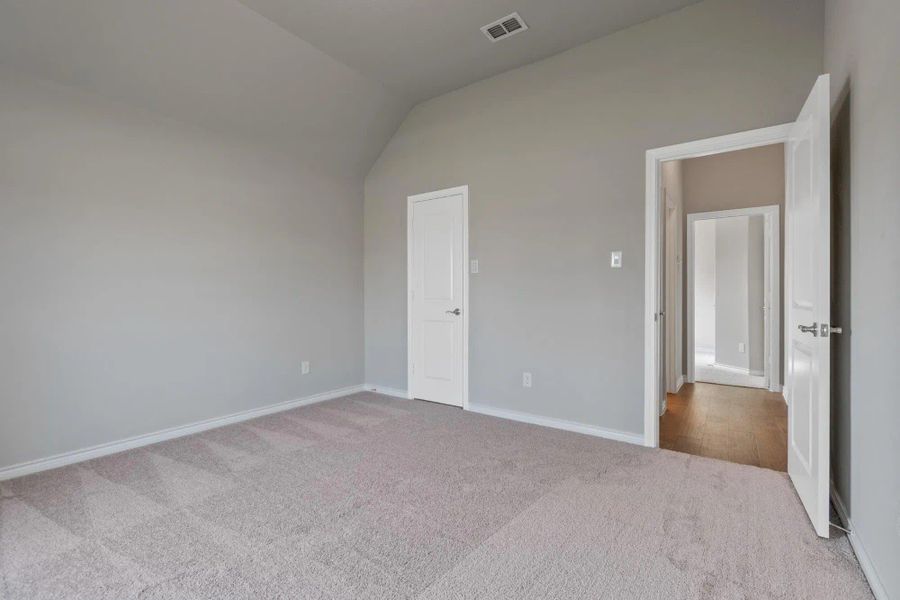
[[373, 497]]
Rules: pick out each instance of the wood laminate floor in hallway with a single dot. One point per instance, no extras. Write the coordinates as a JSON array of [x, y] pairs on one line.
[[737, 424]]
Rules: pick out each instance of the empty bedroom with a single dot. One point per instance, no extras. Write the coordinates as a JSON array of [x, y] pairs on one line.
[[437, 300]]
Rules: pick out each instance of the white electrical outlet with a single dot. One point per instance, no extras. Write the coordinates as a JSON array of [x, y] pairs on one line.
[[742, 347], [304, 367], [473, 265], [526, 379]]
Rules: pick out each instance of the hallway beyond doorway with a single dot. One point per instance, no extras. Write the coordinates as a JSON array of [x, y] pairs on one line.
[[736, 424]]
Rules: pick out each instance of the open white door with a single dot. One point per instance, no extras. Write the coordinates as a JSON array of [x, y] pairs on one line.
[[808, 310], [438, 310]]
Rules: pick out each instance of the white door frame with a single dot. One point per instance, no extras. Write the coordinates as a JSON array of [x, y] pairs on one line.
[[777, 134], [462, 190], [772, 286]]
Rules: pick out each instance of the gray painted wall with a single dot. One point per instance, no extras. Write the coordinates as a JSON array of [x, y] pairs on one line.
[[155, 274], [554, 156], [862, 53]]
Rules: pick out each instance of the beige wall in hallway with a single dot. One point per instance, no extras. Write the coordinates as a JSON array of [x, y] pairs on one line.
[[740, 179]]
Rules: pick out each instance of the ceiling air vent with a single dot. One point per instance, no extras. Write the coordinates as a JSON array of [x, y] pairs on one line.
[[505, 27]]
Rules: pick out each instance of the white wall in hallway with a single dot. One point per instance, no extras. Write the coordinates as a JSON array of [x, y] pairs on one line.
[[740, 288], [756, 293], [731, 292]]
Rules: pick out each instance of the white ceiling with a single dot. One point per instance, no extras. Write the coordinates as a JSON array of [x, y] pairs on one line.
[[329, 80], [422, 48]]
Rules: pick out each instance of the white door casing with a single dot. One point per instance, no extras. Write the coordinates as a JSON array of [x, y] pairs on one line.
[[808, 256], [661, 301], [772, 288], [776, 134], [438, 296]]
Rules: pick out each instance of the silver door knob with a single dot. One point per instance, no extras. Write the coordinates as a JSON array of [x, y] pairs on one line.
[[813, 329], [455, 311]]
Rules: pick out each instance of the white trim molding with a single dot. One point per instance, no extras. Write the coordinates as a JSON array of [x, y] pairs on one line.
[[462, 190], [524, 417], [76, 456], [387, 391], [777, 134], [865, 563]]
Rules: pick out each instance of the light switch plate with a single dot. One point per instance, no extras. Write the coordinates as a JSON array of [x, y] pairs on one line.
[[615, 259], [304, 367], [473, 265]]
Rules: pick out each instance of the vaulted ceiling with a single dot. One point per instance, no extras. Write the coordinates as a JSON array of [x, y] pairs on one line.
[[329, 80], [209, 63], [422, 48]]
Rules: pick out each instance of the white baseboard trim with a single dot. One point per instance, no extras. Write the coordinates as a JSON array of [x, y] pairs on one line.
[[679, 383], [839, 506], [387, 391], [523, 417], [865, 563], [76, 456]]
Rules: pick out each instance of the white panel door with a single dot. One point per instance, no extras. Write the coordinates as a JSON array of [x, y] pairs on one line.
[[808, 255], [437, 285]]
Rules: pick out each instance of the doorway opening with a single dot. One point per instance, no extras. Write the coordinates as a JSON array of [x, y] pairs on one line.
[[720, 286], [733, 273], [806, 303]]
